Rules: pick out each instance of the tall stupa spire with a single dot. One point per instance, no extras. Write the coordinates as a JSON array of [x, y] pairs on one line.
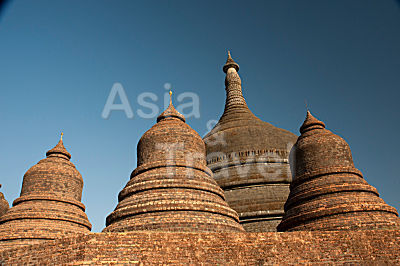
[[249, 159], [235, 102], [230, 63]]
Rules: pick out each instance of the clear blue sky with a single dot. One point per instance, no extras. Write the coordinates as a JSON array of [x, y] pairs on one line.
[[59, 60]]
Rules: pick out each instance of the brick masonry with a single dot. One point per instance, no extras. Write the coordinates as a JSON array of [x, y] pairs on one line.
[[151, 247]]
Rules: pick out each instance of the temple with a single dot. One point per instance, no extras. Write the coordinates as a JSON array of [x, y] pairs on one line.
[[249, 159], [173, 208]]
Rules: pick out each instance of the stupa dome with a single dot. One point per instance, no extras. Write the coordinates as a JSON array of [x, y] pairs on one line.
[[170, 126], [329, 150], [328, 192], [172, 189]]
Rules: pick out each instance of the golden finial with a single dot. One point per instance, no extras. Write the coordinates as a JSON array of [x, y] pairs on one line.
[[170, 97], [62, 134], [229, 54]]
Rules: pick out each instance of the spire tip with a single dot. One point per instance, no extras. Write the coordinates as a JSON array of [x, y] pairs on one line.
[[230, 63]]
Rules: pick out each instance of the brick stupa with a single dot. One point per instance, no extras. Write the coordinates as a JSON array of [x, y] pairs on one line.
[[3, 204], [249, 159], [172, 189], [49, 206], [328, 192]]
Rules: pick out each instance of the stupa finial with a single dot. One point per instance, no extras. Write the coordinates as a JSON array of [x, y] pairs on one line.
[[170, 111], [311, 123], [59, 148], [230, 63]]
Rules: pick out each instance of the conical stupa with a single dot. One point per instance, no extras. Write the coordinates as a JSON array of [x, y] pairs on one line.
[[172, 189], [249, 159], [49, 206], [328, 192], [3, 204]]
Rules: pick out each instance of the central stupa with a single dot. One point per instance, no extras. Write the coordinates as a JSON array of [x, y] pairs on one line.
[[249, 159]]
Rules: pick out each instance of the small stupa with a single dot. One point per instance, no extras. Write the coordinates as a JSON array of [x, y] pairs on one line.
[[49, 206], [327, 191]]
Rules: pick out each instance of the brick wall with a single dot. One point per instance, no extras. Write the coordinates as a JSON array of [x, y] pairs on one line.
[[372, 247]]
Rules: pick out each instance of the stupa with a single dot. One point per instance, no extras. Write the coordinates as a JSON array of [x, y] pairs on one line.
[[172, 189], [3, 204], [49, 206], [249, 159], [327, 191]]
